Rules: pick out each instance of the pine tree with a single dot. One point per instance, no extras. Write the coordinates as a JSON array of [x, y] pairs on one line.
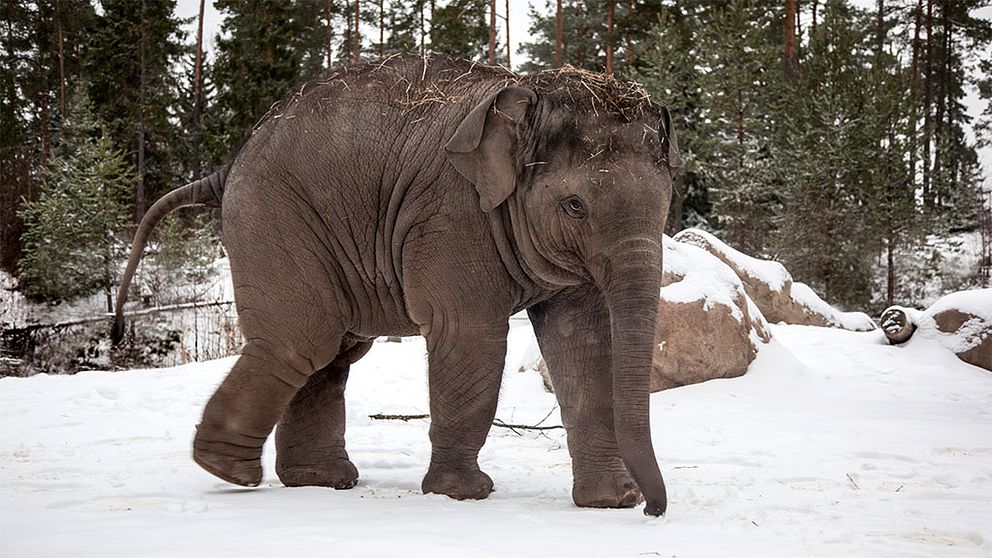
[[954, 185], [133, 50], [845, 160], [72, 238], [670, 73], [586, 37], [741, 85], [403, 24], [267, 47], [41, 45], [583, 30], [461, 28]]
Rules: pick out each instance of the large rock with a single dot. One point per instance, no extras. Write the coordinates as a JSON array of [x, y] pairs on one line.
[[961, 322], [707, 326], [772, 289]]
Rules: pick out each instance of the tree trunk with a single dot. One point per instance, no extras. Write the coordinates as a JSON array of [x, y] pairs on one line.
[[423, 31], [197, 95], [880, 30], [944, 171], [329, 14], [611, 8], [139, 198], [628, 47], [558, 34], [890, 272], [492, 31], [356, 42], [790, 40], [914, 93], [58, 22], [45, 140], [890, 217], [799, 30], [508, 34], [382, 27], [938, 182], [812, 31], [433, 6], [927, 106]]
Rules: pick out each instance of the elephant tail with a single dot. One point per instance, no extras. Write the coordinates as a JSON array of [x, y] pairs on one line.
[[208, 191]]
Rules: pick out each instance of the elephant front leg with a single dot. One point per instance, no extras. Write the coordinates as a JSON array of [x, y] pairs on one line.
[[574, 336], [310, 446], [465, 370]]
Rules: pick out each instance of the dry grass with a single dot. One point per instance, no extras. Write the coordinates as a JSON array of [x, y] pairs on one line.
[[415, 82], [602, 92]]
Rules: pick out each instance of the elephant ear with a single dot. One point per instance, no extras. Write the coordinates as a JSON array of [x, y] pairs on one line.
[[669, 143], [484, 144]]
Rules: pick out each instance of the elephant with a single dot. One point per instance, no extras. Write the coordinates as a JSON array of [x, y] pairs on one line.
[[435, 196]]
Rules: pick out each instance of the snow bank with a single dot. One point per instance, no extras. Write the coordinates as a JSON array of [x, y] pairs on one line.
[[769, 272], [832, 445], [961, 322], [854, 321], [693, 274], [977, 302], [772, 289]]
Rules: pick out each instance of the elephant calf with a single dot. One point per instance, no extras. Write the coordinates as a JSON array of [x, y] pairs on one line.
[[436, 196]]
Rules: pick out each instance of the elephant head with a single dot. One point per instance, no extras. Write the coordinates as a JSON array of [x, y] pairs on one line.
[[583, 165]]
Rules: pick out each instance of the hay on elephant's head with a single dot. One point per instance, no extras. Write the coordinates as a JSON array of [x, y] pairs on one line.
[[598, 91]]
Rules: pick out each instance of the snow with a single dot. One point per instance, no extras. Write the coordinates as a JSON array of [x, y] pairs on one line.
[[833, 444], [855, 321], [977, 302], [769, 272], [703, 277]]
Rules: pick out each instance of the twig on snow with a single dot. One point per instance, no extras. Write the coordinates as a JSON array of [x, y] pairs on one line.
[[497, 422], [856, 487], [403, 418], [502, 424]]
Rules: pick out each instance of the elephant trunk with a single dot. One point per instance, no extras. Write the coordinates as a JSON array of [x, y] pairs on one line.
[[631, 283]]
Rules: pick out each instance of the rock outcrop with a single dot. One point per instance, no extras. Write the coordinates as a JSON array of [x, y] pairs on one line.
[[772, 289], [707, 326]]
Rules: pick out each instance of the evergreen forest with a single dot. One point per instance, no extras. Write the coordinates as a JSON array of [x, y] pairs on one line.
[[834, 136]]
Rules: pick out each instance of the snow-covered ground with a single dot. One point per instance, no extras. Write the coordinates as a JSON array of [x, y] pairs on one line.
[[833, 444]]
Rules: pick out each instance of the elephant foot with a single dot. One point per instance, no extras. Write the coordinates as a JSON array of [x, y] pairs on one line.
[[606, 490], [457, 484], [339, 474], [236, 462]]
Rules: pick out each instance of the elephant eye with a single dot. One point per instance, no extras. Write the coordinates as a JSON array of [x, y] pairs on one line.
[[574, 207]]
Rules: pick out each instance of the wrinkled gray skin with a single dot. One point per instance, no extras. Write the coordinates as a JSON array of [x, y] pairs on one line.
[[437, 197]]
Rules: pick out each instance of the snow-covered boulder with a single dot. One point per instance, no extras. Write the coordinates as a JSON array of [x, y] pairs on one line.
[[961, 322], [707, 325], [772, 289]]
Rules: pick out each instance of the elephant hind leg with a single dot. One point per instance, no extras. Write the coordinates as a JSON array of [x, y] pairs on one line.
[[242, 412], [310, 446]]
